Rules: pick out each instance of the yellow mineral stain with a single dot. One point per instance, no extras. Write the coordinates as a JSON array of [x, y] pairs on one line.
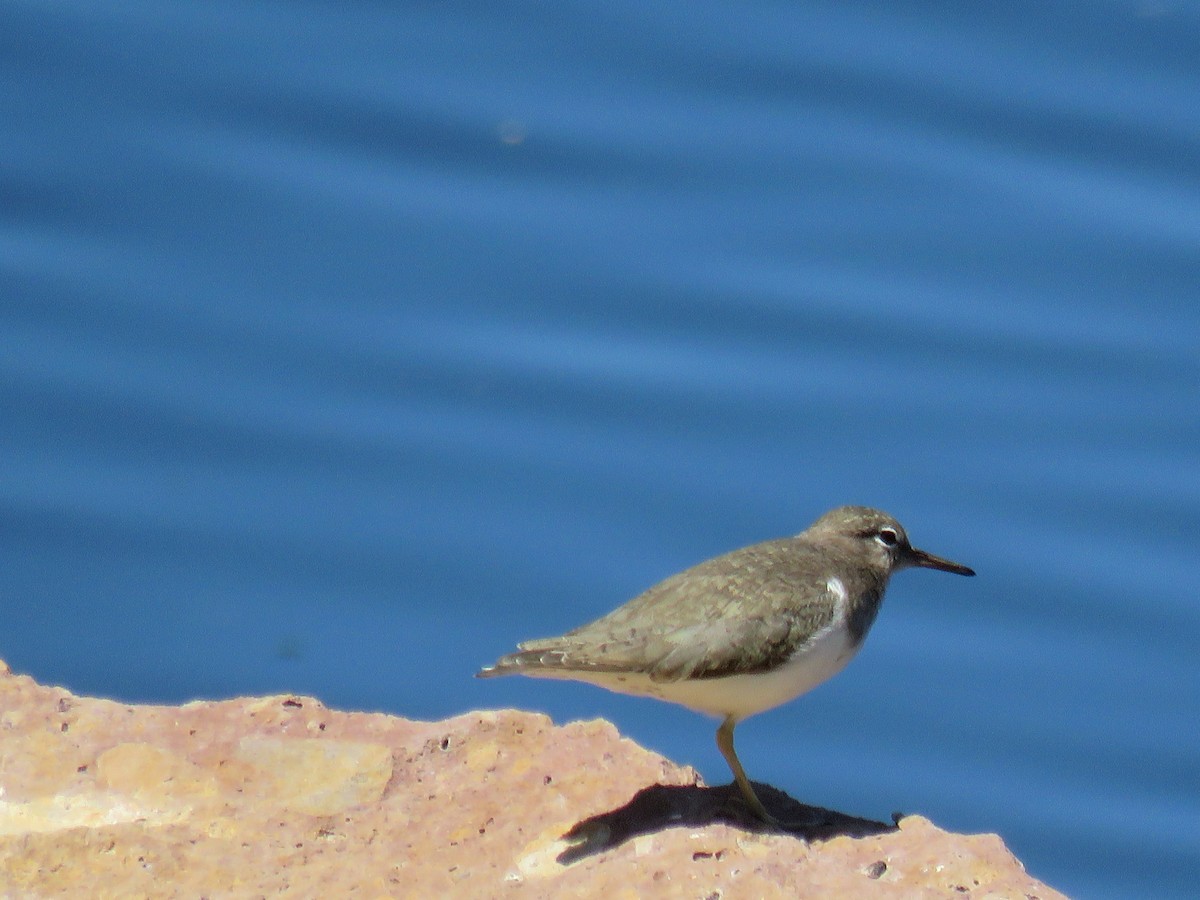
[[539, 858], [154, 775]]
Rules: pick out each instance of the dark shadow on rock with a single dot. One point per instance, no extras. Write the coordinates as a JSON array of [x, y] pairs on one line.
[[666, 806]]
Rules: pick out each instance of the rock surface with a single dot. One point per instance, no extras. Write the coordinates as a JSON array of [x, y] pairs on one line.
[[279, 795]]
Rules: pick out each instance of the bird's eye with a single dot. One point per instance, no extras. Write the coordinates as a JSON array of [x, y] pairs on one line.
[[888, 537]]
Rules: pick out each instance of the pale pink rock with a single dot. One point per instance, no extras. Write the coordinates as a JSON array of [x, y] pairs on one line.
[[263, 796]]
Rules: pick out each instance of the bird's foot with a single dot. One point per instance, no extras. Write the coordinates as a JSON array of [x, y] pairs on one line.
[[816, 818]]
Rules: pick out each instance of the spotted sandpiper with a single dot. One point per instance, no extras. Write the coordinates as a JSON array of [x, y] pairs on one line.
[[744, 632]]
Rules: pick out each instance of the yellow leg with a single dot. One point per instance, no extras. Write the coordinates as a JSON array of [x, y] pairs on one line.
[[725, 744]]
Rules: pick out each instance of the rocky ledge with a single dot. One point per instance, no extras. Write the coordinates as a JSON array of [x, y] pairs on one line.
[[280, 795]]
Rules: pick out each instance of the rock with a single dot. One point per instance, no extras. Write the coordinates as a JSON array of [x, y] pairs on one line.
[[274, 795]]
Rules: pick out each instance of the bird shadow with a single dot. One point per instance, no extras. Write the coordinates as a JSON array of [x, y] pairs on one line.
[[665, 806]]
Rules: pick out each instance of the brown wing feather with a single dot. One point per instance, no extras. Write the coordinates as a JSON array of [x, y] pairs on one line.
[[742, 612]]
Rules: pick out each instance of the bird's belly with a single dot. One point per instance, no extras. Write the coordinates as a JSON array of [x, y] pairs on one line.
[[745, 695]]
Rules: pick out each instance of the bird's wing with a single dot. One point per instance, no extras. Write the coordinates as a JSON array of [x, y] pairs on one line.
[[723, 617]]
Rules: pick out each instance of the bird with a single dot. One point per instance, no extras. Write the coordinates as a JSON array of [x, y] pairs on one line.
[[743, 632]]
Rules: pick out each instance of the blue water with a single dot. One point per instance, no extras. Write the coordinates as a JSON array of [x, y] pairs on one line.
[[342, 345]]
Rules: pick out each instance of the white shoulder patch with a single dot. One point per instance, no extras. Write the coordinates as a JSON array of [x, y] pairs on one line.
[[838, 589]]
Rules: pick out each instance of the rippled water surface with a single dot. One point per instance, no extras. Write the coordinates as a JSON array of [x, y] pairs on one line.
[[344, 345]]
